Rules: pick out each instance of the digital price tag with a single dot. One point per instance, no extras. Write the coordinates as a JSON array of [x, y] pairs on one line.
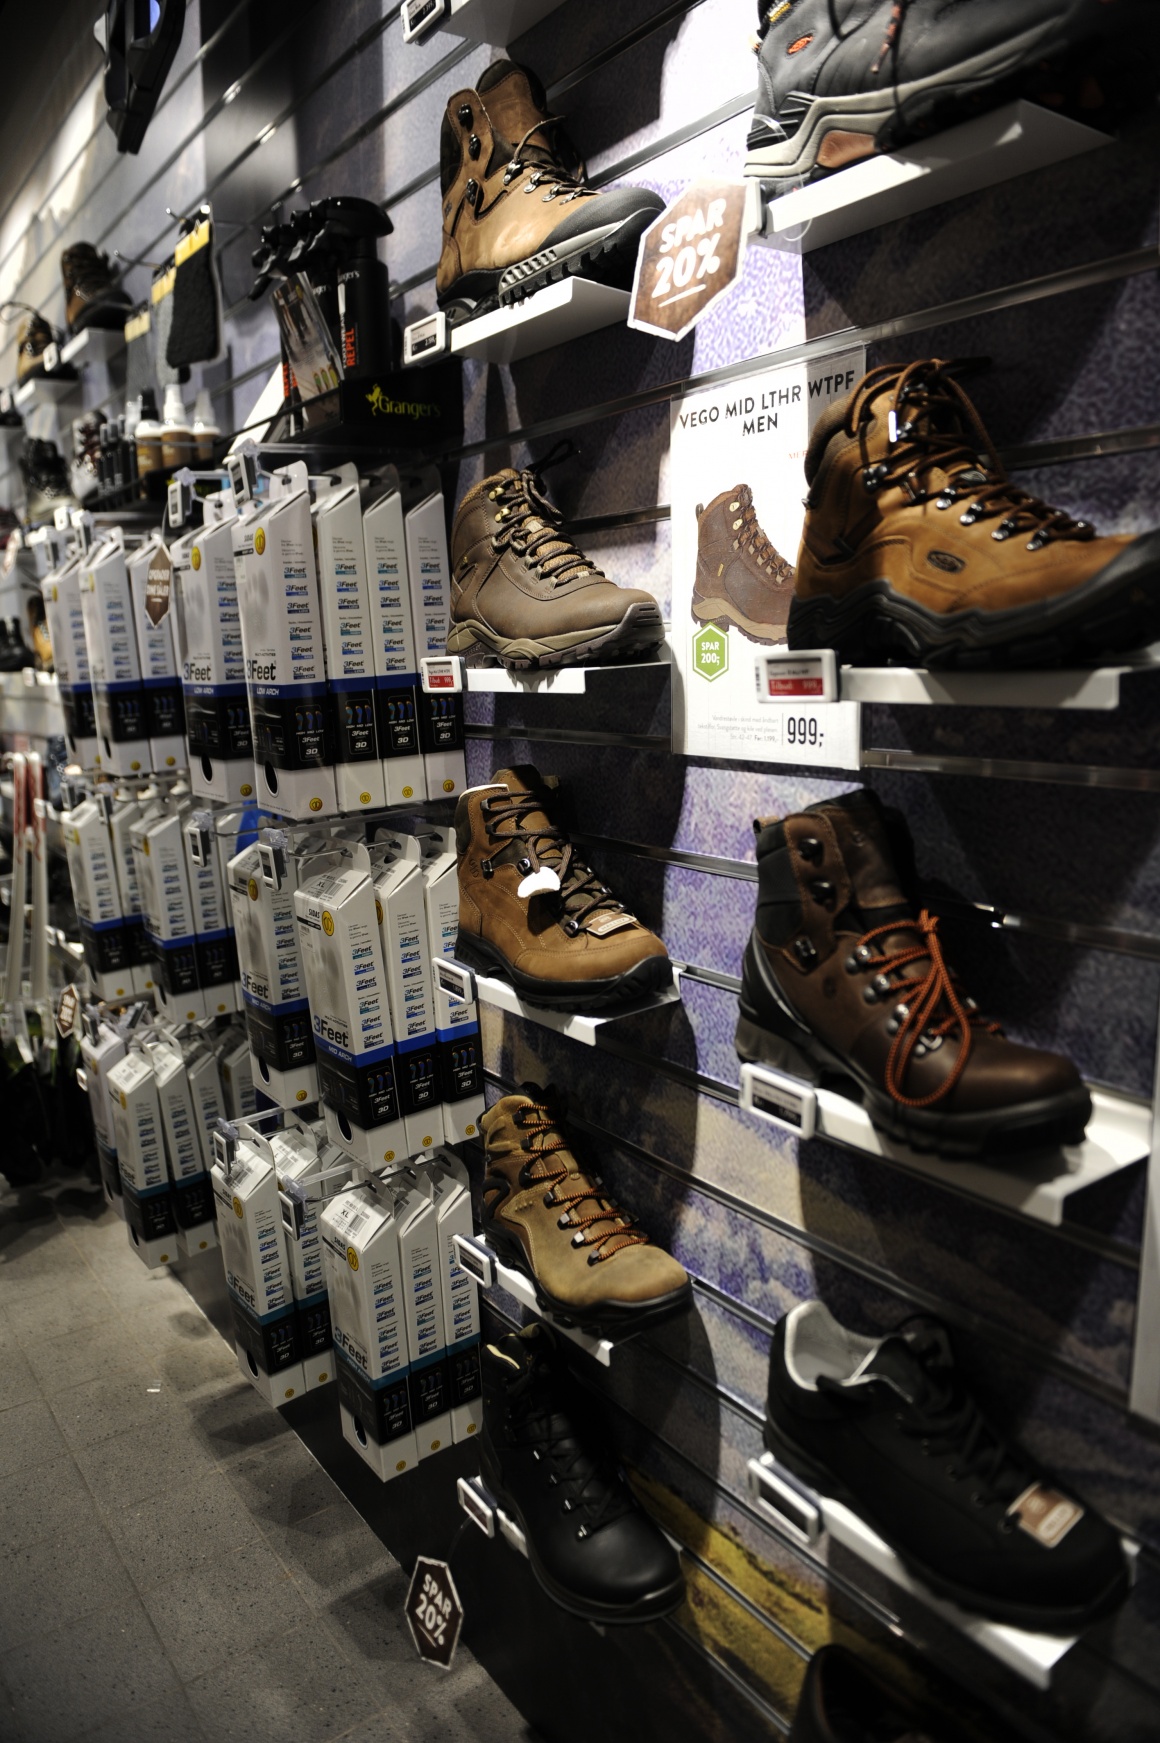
[[783, 676], [420, 16], [456, 981], [776, 1096], [476, 1505], [426, 339], [476, 1258], [441, 674], [51, 357], [783, 1500]]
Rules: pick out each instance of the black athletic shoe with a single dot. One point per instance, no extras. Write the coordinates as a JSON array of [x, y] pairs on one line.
[[887, 1426], [591, 1547], [842, 79], [842, 1701]]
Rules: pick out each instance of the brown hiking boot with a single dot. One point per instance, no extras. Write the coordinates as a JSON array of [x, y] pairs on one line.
[[842, 978], [917, 548], [592, 1264], [92, 291], [531, 910], [522, 590], [517, 211], [741, 578], [33, 337]]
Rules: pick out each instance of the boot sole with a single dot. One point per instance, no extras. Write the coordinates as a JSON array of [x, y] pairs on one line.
[[785, 164], [722, 611], [1032, 1616], [610, 1318], [640, 631], [1033, 1125], [651, 1608], [1116, 612], [480, 292], [651, 975]]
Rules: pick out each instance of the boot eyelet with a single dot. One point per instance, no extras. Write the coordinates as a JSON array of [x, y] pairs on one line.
[[822, 890], [870, 995], [486, 868], [893, 1026], [978, 1500], [594, 1258], [473, 146], [471, 192], [524, 865], [571, 927], [465, 115], [809, 847], [578, 1239], [852, 965], [805, 952], [1006, 1525], [882, 985]]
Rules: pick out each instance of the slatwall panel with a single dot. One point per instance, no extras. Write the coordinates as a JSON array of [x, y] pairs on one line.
[[1054, 277]]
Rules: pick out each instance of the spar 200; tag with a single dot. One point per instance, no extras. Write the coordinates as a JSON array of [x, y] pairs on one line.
[[434, 1612], [158, 585]]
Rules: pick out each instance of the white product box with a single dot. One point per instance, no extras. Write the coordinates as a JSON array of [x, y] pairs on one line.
[[114, 661], [109, 943], [162, 863], [440, 715], [291, 709], [448, 1184], [421, 1267], [396, 660], [456, 1025], [346, 984], [208, 636], [148, 1197], [125, 812], [185, 1150], [301, 1156], [402, 919], [61, 591], [101, 1049], [349, 627], [216, 950], [361, 1253], [237, 1074], [209, 1102], [160, 676], [273, 986], [257, 1262]]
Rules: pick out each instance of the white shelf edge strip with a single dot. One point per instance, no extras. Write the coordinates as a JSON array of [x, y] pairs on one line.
[[479, 1259]]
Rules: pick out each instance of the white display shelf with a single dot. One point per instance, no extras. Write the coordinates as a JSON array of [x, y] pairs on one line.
[[555, 681], [992, 148], [45, 390], [797, 1510], [30, 703], [481, 1262], [578, 1026], [493, 21], [1098, 688], [1037, 1185], [552, 316], [483, 1511], [93, 345]]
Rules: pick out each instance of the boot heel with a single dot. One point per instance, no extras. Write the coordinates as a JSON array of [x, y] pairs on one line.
[[758, 1046]]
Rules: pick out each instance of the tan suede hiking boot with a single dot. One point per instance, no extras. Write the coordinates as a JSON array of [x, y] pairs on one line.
[[842, 978], [532, 911], [741, 578], [592, 1264], [93, 293], [517, 211], [521, 589], [917, 547]]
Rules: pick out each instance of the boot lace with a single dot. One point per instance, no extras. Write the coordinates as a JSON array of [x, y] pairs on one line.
[[537, 1121], [930, 1006], [35, 332], [893, 32], [531, 525], [592, 1487], [752, 535], [581, 893], [568, 184], [933, 426]]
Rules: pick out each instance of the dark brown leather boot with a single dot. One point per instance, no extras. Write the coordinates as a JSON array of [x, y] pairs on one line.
[[592, 1264], [92, 290], [918, 548], [517, 210], [532, 911], [521, 589], [741, 578], [842, 979]]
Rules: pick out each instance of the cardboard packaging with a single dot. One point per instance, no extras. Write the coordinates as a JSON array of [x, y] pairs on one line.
[[208, 638], [209, 1102], [349, 629], [160, 676], [236, 1066], [399, 893], [396, 658], [184, 1148], [441, 713], [61, 591], [420, 1268], [273, 985], [162, 862], [114, 660], [110, 944], [102, 1048], [126, 811], [456, 1024], [450, 1191], [291, 708], [257, 1262], [215, 946], [361, 1254], [302, 1156], [350, 1017], [148, 1198]]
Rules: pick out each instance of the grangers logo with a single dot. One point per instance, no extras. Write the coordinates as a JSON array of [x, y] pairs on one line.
[[382, 405]]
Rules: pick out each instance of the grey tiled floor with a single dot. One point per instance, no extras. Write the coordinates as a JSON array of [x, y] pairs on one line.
[[174, 1566]]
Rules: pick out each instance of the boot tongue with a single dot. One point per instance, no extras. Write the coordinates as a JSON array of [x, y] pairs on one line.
[[894, 1362], [520, 105], [523, 778]]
